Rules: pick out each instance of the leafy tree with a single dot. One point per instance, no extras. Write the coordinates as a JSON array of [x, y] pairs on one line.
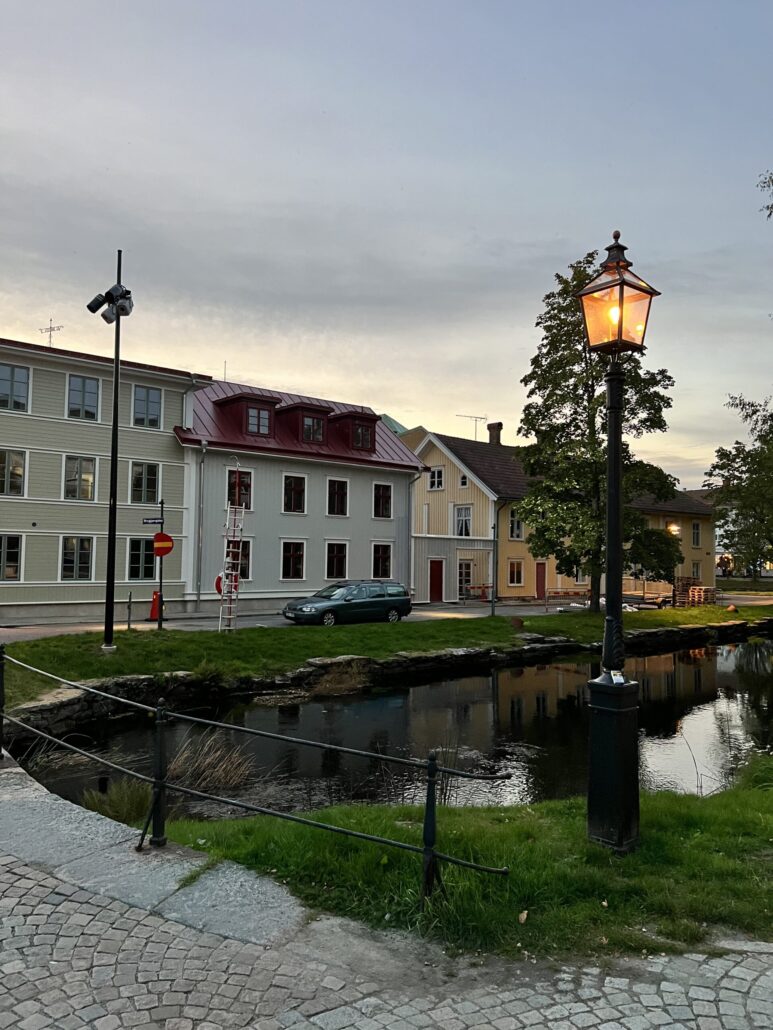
[[765, 184], [741, 478], [566, 415]]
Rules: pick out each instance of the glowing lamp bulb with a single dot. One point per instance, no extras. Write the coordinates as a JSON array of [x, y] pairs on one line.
[[614, 315], [640, 328]]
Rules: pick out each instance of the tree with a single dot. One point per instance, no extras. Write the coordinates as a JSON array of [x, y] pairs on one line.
[[765, 183], [741, 478], [566, 415]]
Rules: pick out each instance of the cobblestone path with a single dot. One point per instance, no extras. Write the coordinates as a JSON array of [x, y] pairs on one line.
[[70, 958]]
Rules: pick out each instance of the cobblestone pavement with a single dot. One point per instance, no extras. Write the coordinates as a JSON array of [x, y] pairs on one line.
[[71, 958]]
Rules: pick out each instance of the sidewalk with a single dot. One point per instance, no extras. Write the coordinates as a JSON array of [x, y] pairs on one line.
[[93, 934]]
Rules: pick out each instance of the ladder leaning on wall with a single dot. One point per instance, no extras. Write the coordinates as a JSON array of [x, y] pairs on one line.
[[232, 558]]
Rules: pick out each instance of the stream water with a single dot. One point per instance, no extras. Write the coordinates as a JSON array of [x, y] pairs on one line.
[[701, 713]]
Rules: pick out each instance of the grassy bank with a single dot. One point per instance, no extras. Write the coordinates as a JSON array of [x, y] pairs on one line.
[[270, 652], [704, 864], [745, 586]]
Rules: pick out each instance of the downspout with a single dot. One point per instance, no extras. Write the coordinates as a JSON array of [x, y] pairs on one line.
[[495, 571], [411, 572], [200, 522]]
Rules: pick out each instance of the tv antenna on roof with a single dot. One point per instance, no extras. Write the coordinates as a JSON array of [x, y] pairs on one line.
[[51, 330], [476, 419]]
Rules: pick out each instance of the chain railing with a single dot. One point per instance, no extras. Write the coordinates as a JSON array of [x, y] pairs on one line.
[[160, 784]]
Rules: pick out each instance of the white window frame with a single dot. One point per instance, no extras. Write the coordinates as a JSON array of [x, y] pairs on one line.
[[514, 525], [78, 500], [250, 541], [383, 518], [78, 536], [305, 477], [468, 518], [145, 386], [580, 579], [22, 542], [438, 471], [696, 533], [328, 481], [382, 543], [700, 569], [25, 474], [241, 471], [293, 540], [518, 579], [100, 392], [464, 482], [159, 491], [16, 411], [143, 579], [346, 543]]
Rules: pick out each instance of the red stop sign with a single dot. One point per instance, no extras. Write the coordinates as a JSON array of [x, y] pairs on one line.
[[162, 544]]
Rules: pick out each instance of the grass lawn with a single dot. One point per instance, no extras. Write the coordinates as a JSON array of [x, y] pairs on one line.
[[704, 864], [745, 586], [268, 652]]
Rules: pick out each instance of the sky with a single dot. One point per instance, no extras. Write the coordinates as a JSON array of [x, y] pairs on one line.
[[368, 201]]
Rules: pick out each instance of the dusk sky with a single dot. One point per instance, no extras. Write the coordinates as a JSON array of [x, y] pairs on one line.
[[368, 201]]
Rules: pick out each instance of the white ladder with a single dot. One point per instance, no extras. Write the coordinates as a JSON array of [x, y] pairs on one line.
[[232, 558]]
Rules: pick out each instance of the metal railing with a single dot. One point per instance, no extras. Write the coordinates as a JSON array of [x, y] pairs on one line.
[[157, 814]]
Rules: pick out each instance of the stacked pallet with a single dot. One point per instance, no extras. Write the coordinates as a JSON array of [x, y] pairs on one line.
[[699, 595], [682, 589]]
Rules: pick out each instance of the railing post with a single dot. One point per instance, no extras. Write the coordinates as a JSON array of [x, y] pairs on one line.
[[129, 612], [2, 696], [431, 871], [158, 836]]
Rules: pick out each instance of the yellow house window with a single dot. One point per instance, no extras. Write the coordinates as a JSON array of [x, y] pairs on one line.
[[515, 573], [696, 534]]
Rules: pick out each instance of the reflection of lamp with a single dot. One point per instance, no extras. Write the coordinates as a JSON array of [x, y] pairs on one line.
[[615, 309], [674, 528]]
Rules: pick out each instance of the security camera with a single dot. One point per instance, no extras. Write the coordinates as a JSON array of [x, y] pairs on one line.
[[96, 304], [110, 314], [115, 293], [125, 305]]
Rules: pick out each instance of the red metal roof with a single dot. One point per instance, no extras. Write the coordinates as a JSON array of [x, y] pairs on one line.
[[58, 352], [222, 426]]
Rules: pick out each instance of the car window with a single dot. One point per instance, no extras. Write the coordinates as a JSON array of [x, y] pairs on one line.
[[376, 590], [397, 591], [333, 593], [357, 593]]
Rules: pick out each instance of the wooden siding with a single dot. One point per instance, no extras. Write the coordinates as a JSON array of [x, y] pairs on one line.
[[441, 521]]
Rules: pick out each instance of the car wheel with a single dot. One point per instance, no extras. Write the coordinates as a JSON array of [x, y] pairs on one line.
[[393, 615], [329, 619]]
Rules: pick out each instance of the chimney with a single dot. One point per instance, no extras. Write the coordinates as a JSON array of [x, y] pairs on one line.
[[494, 432]]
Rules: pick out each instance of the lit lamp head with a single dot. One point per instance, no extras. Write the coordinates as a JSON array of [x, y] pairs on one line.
[[674, 528], [616, 305]]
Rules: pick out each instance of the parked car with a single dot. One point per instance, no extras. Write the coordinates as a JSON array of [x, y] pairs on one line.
[[351, 600]]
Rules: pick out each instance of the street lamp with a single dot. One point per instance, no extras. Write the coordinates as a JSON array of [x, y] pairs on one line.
[[118, 303], [615, 309]]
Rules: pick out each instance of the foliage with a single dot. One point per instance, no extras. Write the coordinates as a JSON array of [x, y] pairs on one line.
[[765, 184], [741, 478], [654, 554], [566, 415], [701, 867], [127, 801], [207, 762]]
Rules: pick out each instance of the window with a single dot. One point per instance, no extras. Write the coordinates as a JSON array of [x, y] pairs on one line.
[[696, 534], [10, 557], [12, 473], [462, 519], [294, 495], [362, 438], [147, 407], [79, 478], [382, 561], [515, 573], [14, 387], [696, 570], [581, 578], [258, 421], [245, 561], [239, 488], [292, 559], [83, 398], [142, 560], [436, 478], [463, 482], [335, 566], [313, 429], [76, 557], [516, 527], [144, 483], [382, 500], [337, 497]]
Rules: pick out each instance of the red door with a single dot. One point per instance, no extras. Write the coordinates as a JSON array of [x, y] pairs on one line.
[[541, 580], [435, 579]]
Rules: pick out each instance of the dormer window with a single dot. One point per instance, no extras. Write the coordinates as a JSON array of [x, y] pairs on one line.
[[362, 438], [258, 421], [313, 429]]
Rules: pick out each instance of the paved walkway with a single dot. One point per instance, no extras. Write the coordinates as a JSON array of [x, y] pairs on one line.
[[93, 934]]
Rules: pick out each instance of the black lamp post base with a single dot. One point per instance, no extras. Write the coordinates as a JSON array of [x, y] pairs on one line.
[[613, 773]]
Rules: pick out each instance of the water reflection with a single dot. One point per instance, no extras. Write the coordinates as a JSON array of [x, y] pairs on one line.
[[701, 711]]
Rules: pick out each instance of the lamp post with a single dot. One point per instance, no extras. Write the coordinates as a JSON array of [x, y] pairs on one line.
[[615, 309], [117, 302]]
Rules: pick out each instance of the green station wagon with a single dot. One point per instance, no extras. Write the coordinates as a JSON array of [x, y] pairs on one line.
[[352, 600]]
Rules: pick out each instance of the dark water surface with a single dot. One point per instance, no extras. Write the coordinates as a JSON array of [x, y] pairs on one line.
[[701, 713]]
